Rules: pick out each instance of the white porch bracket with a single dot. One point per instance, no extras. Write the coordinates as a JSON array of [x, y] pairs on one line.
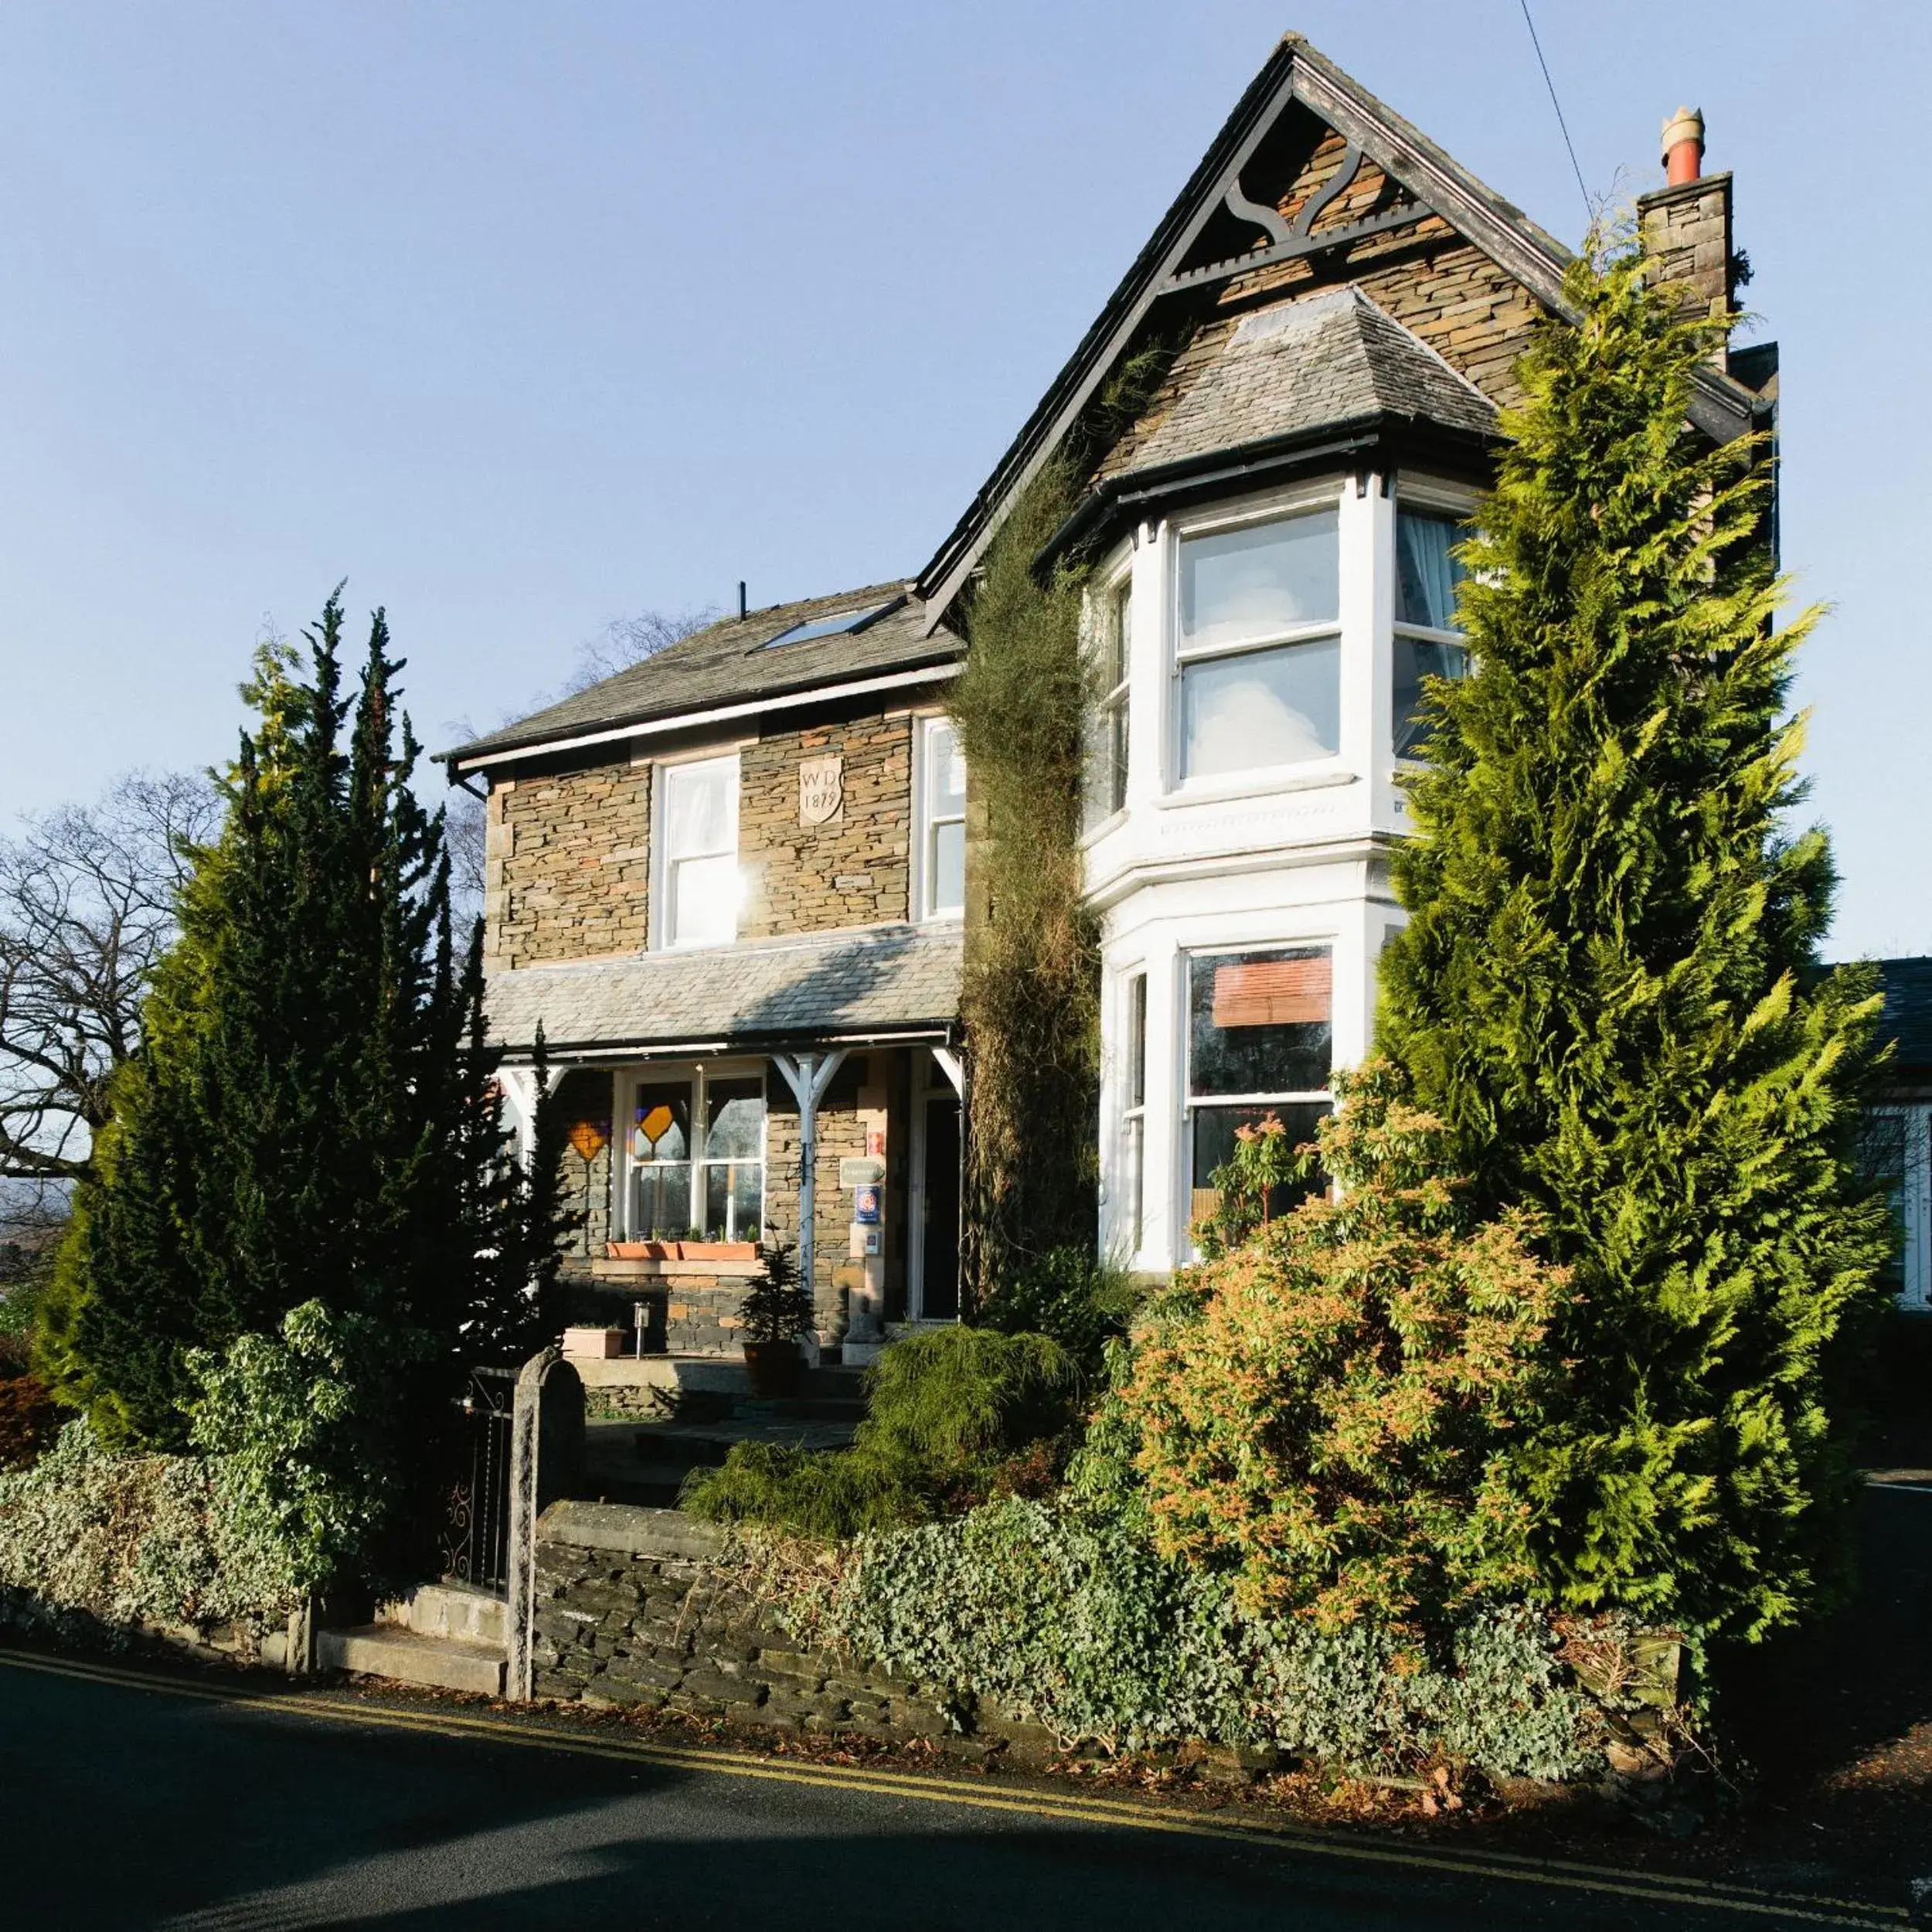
[[520, 1088], [949, 1065], [808, 1075]]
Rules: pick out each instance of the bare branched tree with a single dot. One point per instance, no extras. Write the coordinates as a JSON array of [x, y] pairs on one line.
[[86, 906], [628, 640]]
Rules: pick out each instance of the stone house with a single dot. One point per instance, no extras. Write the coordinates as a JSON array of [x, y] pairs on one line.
[[731, 883], [1900, 1124]]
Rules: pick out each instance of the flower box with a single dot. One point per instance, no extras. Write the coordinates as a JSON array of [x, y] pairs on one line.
[[681, 1250], [597, 1344]]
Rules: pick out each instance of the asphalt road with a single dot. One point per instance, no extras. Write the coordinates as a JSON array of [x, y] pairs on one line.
[[126, 1802]]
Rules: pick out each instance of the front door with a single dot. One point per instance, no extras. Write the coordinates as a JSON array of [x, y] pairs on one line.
[[936, 1274]]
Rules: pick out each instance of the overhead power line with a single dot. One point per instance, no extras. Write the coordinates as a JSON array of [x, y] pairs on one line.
[[1590, 210]]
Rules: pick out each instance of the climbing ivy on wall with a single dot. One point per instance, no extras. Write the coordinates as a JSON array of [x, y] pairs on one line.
[[1031, 999]]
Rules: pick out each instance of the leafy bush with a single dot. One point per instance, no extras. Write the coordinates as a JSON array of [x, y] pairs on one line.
[[129, 1539], [950, 1415], [1075, 1622], [1325, 1413], [302, 1427], [1079, 1302], [777, 1305]]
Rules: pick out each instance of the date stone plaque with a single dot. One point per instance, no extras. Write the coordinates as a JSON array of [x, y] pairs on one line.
[[821, 789]]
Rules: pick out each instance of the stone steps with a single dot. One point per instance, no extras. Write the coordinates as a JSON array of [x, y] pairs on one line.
[[411, 1657], [449, 1609]]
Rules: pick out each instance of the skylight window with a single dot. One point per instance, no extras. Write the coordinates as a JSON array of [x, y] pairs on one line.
[[832, 627]]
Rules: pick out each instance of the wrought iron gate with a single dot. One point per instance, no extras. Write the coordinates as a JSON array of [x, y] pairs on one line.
[[476, 1504]]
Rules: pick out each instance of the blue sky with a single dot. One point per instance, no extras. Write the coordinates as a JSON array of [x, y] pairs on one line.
[[524, 318]]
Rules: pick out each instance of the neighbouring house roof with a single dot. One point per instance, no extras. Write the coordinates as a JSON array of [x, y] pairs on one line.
[[1908, 1011], [852, 984], [733, 662], [1298, 367]]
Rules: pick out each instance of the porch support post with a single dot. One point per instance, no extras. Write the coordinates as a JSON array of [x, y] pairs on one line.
[[519, 1089], [808, 1075]]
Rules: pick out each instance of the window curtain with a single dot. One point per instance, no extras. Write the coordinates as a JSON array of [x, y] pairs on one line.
[[1425, 574]]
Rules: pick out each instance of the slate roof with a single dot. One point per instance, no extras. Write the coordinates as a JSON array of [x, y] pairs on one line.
[[1300, 367], [726, 663], [1908, 1010], [813, 986]]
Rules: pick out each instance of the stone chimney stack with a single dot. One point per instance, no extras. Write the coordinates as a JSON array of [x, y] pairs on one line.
[[1686, 226]]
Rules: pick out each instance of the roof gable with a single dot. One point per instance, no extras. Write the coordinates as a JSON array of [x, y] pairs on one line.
[[1231, 222]]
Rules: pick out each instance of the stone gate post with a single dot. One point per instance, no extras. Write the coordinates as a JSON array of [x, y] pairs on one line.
[[547, 1463]]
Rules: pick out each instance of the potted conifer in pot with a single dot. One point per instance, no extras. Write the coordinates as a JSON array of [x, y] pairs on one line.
[[776, 1312]]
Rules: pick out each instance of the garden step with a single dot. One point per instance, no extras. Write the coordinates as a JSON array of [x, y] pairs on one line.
[[448, 1609], [383, 1650]]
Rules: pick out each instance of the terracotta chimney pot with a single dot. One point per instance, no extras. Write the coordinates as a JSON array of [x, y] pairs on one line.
[[1684, 146]]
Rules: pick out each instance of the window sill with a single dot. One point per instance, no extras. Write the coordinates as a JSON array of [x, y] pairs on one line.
[[604, 1269], [1112, 822], [1249, 785]]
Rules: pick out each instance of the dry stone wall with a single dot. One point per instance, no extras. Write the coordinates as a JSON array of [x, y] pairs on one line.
[[642, 1608]]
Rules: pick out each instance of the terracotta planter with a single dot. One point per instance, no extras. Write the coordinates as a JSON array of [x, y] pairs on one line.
[[681, 1250], [775, 1369]]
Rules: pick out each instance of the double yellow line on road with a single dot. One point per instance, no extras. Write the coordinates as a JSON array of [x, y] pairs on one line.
[[1254, 1831]]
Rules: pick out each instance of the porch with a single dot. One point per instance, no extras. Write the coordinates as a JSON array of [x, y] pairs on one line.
[[805, 1090]]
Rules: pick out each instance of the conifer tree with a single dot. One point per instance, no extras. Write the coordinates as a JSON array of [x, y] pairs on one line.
[[314, 1117], [1610, 987]]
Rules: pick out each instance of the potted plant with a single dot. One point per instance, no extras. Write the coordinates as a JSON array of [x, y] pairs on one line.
[[776, 1312]]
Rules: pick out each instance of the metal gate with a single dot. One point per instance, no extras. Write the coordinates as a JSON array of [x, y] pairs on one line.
[[476, 1503]]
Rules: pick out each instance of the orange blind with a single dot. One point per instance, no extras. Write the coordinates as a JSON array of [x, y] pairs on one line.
[[1272, 992]]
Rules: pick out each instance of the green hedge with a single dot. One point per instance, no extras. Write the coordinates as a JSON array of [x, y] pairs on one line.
[[116, 1543], [1075, 1622]]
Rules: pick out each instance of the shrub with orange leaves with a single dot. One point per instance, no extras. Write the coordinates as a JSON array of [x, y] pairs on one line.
[[1326, 1410]]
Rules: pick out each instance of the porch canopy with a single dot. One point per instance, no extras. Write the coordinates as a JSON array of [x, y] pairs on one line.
[[801, 1001]]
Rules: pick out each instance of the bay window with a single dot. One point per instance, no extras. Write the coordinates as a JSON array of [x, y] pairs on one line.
[[1427, 642], [941, 827], [698, 852], [1260, 1042], [695, 1156], [1258, 647]]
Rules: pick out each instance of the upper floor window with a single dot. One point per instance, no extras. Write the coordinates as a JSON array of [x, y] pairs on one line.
[[941, 815], [1259, 650], [1106, 763], [698, 852], [1427, 642]]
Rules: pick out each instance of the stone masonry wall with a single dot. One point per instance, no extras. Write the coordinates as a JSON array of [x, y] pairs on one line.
[[853, 869], [1443, 289], [1686, 234], [567, 865], [638, 1607]]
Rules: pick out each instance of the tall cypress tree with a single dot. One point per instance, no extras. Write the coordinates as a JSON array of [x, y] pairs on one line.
[[1609, 985], [314, 1116]]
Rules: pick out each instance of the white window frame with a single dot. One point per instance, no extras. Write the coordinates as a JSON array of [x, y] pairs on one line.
[[1130, 1219], [1111, 615], [1184, 1026], [1421, 500], [926, 726], [1281, 507], [1914, 1200], [698, 1075], [661, 922]]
